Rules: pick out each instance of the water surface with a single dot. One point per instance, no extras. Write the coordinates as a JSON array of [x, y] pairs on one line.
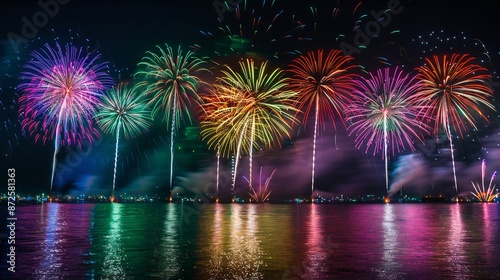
[[257, 241]]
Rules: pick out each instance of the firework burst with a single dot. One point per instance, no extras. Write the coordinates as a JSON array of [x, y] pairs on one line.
[[482, 194], [324, 83], [455, 91], [250, 108], [172, 80], [261, 193], [62, 88], [385, 111], [123, 109]]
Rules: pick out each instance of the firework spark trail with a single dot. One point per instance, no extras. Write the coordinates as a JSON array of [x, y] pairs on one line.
[[316, 112], [56, 142], [116, 154], [218, 175], [56, 145], [385, 152], [172, 134], [238, 149], [483, 171], [252, 136], [63, 88], [452, 155]]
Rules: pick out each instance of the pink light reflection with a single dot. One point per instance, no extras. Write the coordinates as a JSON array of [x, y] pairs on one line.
[[315, 263], [456, 258]]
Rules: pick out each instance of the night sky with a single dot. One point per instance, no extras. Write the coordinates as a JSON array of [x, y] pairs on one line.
[[123, 31]]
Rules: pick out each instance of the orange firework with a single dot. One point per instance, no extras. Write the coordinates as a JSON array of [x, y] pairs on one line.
[[454, 91], [455, 88]]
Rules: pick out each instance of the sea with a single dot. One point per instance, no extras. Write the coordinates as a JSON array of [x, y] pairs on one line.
[[253, 241]]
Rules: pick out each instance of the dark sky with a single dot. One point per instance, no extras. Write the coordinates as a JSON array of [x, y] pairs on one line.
[[124, 30]]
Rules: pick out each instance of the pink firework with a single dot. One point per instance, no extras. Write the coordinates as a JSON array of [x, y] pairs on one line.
[[385, 111], [385, 106]]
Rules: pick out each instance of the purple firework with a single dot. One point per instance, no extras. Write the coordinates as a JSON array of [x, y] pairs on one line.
[[60, 90]]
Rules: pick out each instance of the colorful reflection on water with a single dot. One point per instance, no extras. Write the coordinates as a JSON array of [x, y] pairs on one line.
[[257, 241]]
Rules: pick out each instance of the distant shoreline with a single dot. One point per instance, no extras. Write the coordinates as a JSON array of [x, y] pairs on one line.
[[434, 200]]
